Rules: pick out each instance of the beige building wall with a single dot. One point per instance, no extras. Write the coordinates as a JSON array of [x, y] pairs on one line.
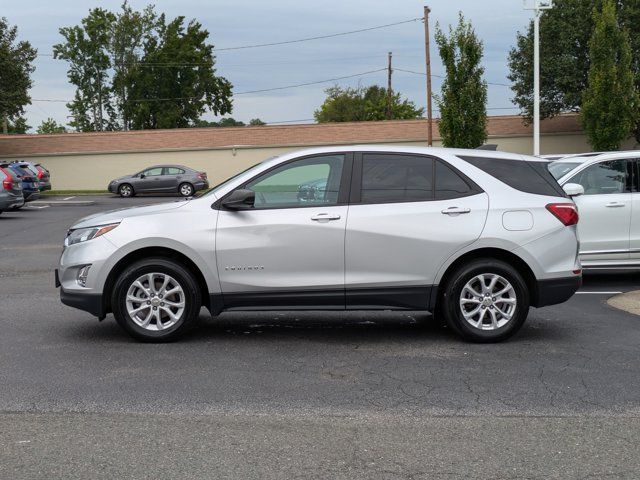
[[93, 171]]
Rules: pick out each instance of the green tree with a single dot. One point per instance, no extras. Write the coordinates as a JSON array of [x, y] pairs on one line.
[[256, 122], [50, 126], [610, 101], [16, 67], [463, 100], [86, 48], [363, 104], [168, 94], [224, 122], [565, 32], [136, 70], [17, 125]]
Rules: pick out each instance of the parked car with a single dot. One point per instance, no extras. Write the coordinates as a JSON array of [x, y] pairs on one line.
[[608, 199], [476, 236], [161, 179], [41, 173], [30, 184], [11, 197]]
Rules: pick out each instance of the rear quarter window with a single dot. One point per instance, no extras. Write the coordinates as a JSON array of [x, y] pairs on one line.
[[528, 177]]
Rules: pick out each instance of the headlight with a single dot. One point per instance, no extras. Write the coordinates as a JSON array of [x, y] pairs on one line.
[[83, 234]]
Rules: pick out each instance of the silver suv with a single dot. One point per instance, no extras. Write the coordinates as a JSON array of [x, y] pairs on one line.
[[477, 237]]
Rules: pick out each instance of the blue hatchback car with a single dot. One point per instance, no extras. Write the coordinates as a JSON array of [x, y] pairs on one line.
[[30, 184]]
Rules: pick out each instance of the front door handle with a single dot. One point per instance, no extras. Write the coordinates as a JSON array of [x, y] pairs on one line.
[[615, 205], [455, 211], [325, 217]]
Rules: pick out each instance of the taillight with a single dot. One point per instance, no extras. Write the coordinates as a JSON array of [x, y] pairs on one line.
[[567, 213], [7, 183], [202, 175], [40, 175]]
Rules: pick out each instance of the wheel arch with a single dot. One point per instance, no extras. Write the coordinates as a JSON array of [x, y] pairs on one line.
[[148, 252], [506, 256]]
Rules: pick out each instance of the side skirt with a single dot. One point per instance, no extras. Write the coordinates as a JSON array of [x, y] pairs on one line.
[[379, 298]]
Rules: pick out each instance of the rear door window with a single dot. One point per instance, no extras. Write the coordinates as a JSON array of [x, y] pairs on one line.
[[173, 171], [449, 184], [388, 178]]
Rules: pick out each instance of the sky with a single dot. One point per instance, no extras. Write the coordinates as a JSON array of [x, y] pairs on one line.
[[234, 23]]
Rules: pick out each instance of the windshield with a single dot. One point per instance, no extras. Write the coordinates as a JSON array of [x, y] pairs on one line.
[[560, 169], [229, 180]]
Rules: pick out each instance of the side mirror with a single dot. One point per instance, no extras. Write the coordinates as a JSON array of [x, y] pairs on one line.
[[573, 189], [240, 200], [142, 175]]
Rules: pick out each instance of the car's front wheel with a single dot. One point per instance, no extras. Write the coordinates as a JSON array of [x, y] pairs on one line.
[[125, 190], [486, 300], [155, 300]]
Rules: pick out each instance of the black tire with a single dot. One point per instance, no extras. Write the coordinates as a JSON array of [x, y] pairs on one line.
[[185, 279], [450, 301], [126, 190], [186, 189]]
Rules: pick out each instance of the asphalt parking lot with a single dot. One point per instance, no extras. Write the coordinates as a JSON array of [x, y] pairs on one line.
[[301, 395]]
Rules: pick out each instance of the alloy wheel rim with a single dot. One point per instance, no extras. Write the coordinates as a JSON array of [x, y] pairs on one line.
[[155, 301], [186, 190], [488, 301], [125, 190]]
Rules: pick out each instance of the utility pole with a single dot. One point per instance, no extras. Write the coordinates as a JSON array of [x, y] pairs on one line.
[[389, 90], [427, 10], [537, 6]]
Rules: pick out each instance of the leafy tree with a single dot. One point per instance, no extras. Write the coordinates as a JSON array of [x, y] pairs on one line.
[[565, 33], [463, 102], [224, 122], [168, 94], [17, 125], [256, 122], [137, 70], [86, 48], [363, 104], [16, 67], [610, 101], [50, 126]]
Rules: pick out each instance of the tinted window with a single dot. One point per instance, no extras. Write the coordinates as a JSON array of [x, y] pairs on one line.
[[305, 182], [560, 169], [603, 178], [529, 177], [450, 184], [396, 178], [152, 172], [173, 171]]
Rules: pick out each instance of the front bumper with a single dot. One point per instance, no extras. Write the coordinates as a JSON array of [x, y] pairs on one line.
[[88, 302], [556, 290]]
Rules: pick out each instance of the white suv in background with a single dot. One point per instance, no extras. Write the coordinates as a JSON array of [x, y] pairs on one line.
[[609, 228], [475, 236]]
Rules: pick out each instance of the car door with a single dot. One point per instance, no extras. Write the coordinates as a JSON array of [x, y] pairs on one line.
[[605, 210], [172, 178], [634, 229], [287, 251], [408, 214], [149, 180]]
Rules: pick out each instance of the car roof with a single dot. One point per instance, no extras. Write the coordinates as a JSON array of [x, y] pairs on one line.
[[169, 165], [595, 158], [383, 148]]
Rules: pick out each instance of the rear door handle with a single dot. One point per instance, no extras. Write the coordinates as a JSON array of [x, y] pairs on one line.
[[614, 205], [456, 211], [325, 217]]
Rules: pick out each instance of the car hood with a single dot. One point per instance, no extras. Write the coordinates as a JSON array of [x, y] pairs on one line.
[[120, 214], [124, 177]]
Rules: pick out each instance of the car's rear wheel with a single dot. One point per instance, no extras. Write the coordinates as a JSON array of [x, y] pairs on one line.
[[486, 300], [186, 190], [155, 300], [126, 190]]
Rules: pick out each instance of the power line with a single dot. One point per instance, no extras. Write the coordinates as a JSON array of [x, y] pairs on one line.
[[235, 93], [442, 76], [319, 37]]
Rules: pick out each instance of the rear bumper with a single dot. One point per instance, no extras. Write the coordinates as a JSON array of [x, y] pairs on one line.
[[197, 186], [556, 290], [30, 196]]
